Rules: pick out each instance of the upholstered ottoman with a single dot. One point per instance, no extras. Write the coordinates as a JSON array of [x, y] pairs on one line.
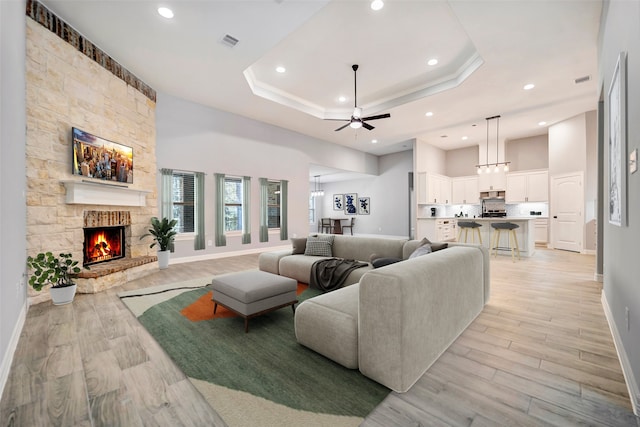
[[252, 293], [328, 324]]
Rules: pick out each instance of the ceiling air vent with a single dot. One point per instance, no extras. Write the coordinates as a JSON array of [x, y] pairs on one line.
[[229, 40], [582, 79]]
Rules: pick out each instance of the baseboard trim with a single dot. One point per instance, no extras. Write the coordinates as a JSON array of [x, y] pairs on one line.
[[588, 252], [598, 277], [632, 386], [219, 255], [7, 358]]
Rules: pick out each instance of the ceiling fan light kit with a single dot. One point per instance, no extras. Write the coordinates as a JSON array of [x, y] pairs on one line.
[[495, 167], [357, 121]]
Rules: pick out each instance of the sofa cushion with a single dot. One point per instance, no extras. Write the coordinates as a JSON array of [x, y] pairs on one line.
[[360, 248], [318, 248], [381, 262], [412, 245], [328, 324], [421, 250], [299, 245]]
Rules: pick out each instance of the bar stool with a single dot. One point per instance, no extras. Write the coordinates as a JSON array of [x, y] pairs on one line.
[[466, 225], [511, 230]]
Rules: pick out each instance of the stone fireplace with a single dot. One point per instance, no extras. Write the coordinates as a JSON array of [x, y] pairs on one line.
[[60, 206]]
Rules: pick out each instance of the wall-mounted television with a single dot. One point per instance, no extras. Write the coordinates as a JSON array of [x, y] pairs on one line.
[[98, 158]]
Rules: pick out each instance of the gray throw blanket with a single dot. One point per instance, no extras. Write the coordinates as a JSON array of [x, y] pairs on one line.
[[329, 274]]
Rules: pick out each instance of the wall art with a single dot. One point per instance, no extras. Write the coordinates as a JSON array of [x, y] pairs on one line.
[[350, 200], [618, 144], [363, 205]]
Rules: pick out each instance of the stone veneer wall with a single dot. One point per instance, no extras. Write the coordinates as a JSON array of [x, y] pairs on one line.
[[65, 89]]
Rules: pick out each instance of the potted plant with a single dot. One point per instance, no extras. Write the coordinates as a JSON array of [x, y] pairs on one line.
[[163, 235], [56, 271]]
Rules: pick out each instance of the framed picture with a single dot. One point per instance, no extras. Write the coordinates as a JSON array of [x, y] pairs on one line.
[[350, 200], [618, 143], [363, 205], [633, 161], [338, 202]]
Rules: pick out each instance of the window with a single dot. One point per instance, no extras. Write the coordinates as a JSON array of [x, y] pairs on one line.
[[232, 204], [273, 204], [183, 201], [312, 210]]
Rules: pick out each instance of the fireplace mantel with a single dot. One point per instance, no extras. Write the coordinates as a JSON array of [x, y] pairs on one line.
[[89, 193]]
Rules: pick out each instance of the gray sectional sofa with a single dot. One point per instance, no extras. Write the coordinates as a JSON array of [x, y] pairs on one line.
[[392, 322]]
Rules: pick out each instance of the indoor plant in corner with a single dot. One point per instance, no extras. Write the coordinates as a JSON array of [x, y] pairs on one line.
[[163, 235], [56, 271]]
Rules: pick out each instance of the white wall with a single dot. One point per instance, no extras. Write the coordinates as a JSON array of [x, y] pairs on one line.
[[620, 32], [13, 250], [196, 138], [461, 162], [572, 148], [567, 146], [528, 153], [388, 193], [429, 158]]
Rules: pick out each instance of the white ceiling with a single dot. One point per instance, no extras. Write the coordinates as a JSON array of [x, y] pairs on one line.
[[487, 52]]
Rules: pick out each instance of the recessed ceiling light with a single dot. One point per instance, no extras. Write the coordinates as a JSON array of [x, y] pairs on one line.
[[342, 99], [165, 12], [374, 141], [464, 138], [281, 69], [529, 86], [432, 61], [377, 4], [542, 123], [429, 114]]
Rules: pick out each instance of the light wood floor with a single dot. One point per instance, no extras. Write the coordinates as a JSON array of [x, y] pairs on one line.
[[540, 353]]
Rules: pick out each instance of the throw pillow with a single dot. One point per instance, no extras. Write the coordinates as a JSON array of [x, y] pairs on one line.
[[438, 246], [318, 248], [299, 245], [381, 262], [421, 250], [323, 237]]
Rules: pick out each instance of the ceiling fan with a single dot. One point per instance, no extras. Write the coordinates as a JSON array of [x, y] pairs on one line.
[[356, 121]]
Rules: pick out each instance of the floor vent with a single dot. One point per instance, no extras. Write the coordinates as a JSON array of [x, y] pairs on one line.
[[229, 40]]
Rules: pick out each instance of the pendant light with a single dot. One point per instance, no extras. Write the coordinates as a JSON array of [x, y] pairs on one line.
[[495, 167], [317, 192]]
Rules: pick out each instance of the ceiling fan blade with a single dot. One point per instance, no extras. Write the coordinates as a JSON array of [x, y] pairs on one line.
[[380, 116], [339, 120], [342, 127], [367, 126]]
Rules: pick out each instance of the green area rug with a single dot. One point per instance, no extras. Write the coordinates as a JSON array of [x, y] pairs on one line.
[[261, 378]]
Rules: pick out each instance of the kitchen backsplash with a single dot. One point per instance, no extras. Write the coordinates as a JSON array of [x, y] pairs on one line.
[[517, 210]]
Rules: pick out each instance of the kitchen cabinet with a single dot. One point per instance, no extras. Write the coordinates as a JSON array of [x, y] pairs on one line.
[[493, 181], [433, 189], [421, 188], [465, 190], [541, 230], [437, 229], [527, 187]]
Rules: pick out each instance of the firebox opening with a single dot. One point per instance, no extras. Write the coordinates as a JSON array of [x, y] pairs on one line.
[[103, 244]]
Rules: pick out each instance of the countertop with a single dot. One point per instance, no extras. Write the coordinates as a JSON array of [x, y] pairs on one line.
[[505, 218]]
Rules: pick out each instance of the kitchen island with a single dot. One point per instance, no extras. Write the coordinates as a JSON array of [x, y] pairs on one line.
[[525, 234], [446, 229]]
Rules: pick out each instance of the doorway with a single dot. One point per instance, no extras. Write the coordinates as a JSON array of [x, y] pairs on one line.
[[567, 211]]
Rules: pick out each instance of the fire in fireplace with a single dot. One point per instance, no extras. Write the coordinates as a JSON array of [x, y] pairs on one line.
[[103, 244]]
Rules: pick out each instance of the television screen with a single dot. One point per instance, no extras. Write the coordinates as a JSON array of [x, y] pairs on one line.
[[98, 158]]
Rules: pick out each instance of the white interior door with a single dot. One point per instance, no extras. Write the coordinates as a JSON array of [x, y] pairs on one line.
[[567, 206]]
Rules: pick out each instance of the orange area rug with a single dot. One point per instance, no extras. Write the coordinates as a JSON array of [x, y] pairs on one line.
[[202, 308]]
